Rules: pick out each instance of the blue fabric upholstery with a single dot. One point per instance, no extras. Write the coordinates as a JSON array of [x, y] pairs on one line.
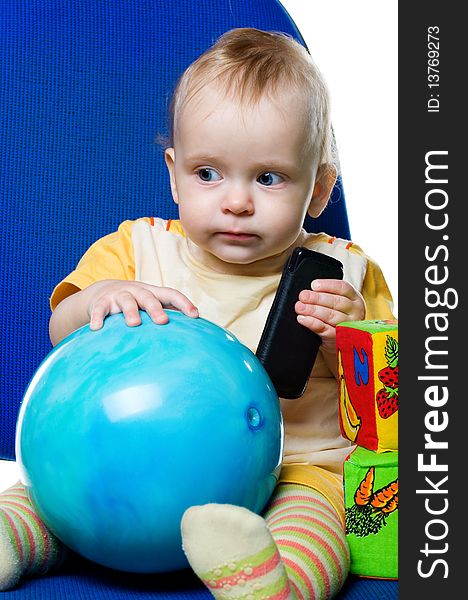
[[85, 87], [82, 580]]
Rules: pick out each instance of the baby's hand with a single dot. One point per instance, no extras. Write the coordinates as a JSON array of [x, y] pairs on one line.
[[113, 296], [328, 303]]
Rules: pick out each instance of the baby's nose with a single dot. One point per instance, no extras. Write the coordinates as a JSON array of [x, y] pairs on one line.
[[238, 200]]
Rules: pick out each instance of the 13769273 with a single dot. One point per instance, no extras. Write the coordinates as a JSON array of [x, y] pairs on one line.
[[433, 73]]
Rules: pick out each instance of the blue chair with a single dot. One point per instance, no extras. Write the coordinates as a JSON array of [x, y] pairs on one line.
[[85, 88]]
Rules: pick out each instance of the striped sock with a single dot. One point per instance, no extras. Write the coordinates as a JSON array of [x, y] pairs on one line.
[[298, 552], [311, 540], [233, 553], [26, 546]]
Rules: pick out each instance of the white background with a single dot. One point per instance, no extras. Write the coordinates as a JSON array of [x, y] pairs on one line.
[[354, 43]]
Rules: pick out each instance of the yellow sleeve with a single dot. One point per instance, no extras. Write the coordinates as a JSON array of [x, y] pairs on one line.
[[377, 296], [111, 257]]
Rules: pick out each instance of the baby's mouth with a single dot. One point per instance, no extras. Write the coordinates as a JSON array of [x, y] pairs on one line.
[[237, 235]]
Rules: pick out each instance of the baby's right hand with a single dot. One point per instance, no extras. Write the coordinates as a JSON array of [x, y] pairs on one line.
[[113, 296]]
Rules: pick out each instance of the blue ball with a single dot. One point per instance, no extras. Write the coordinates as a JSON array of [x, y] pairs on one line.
[[122, 429]]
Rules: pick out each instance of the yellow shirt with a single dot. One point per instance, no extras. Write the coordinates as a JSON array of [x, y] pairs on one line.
[[156, 252]]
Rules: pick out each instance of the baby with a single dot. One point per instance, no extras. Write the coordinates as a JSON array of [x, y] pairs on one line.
[[250, 155]]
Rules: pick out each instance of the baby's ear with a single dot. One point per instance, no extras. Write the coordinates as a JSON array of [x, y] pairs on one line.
[[324, 182], [169, 156]]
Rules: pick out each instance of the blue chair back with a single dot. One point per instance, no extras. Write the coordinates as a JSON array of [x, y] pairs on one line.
[[85, 90]]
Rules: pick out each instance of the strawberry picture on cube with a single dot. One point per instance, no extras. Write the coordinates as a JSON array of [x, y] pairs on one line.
[[387, 396]]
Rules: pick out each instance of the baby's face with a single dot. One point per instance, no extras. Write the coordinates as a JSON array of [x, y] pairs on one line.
[[242, 176]]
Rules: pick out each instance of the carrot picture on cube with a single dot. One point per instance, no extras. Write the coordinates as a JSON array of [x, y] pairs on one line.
[[368, 513], [371, 512]]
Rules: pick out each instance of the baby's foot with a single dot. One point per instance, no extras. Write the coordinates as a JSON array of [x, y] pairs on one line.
[[27, 547], [233, 553], [10, 570]]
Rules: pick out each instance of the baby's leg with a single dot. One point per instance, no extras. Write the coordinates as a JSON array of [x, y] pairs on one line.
[[298, 552], [311, 540], [26, 546]]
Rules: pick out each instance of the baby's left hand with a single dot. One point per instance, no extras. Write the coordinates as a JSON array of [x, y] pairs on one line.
[[329, 302]]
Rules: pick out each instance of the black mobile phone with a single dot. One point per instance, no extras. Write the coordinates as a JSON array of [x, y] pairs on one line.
[[287, 349]]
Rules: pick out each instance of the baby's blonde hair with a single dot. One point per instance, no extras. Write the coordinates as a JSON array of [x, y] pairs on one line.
[[250, 63]]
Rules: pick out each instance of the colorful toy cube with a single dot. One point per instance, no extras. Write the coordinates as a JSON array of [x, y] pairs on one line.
[[371, 501], [368, 383]]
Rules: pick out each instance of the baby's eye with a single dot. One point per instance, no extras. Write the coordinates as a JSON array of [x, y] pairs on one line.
[[207, 174], [269, 179]]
